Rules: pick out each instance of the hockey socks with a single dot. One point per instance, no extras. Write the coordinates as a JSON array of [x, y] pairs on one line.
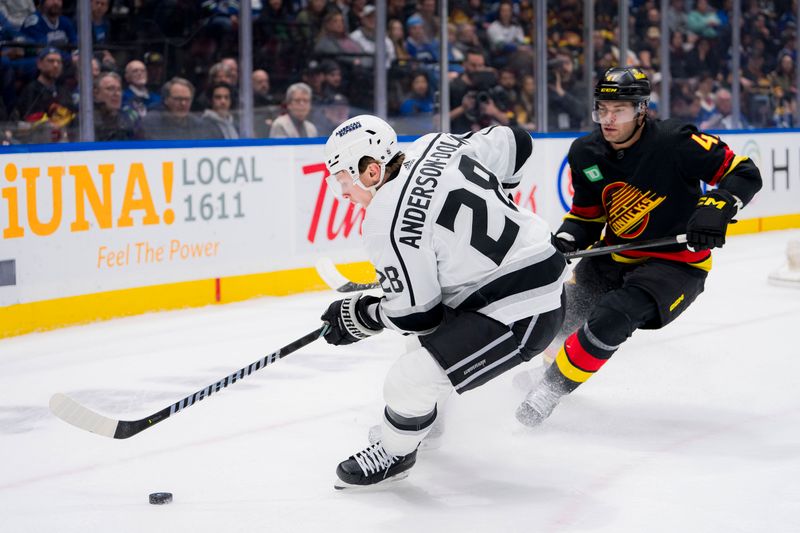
[[579, 358]]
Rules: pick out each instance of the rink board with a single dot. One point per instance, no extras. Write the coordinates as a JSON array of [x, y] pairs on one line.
[[95, 231]]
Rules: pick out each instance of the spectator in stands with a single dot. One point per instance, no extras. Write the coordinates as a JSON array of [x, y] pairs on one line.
[[222, 22], [784, 109], [101, 27], [111, 121], [417, 44], [525, 110], [230, 66], [218, 119], [294, 123], [474, 97], [757, 92], [309, 21], [137, 96], [154, 62], [420, 98], [505, 36], [784, 77], [331, 81], [426, 11], [174, 121], [333, 113], [565, 96], [334, 42], [649, 49], [48, 26], [677, 55], [275, 38], [261, 94], [703, 20], [264, 104], [69, 78], [343, 7], [396, 35], [399, 10], [221, 72], [508, 81], [314, 78], [706, 94], [8, 55], [701, 58], [676, 16], [45, 105], [467, 38], [353, 16], [365, 37], [455, 57], [16, 11], [723, 118]]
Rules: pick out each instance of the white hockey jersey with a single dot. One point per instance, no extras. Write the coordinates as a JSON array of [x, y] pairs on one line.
[[444, 233]]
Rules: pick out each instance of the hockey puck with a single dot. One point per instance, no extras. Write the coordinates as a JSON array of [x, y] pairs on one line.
[[160, 498]]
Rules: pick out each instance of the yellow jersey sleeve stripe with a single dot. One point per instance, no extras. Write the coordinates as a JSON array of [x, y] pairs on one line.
[[600, 220]]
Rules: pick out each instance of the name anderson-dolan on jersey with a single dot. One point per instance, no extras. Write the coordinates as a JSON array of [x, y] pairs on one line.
[[443, 233]]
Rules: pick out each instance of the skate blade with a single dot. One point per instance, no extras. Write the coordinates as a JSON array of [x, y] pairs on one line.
[[343, 485]]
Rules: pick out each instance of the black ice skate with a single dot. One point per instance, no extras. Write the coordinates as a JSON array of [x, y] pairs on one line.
[[372, 466]]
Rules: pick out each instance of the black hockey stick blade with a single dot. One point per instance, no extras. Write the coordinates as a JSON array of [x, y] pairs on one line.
[[335, 280], [84, 418], [603, 250]]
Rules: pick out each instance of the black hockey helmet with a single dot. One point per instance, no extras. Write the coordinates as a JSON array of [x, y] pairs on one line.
[[628, 84]]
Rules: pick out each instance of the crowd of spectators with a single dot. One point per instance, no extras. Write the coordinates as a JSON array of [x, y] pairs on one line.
[[169, 69]]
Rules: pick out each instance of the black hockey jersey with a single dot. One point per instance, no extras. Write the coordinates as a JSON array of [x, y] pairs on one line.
[[650, 189]]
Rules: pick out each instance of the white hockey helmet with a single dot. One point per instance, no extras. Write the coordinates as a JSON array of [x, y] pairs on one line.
[[364, 135]]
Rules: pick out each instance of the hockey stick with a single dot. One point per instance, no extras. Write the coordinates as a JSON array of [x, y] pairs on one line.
[[335, 280], [84, 418], [591, 252]]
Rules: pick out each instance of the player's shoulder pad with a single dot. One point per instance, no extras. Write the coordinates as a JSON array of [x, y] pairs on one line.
[[589, 145], [673, 129]]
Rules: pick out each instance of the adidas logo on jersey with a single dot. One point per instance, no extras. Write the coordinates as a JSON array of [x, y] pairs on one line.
[[347, 129]]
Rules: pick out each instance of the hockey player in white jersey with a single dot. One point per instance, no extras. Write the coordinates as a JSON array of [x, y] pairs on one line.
[[473, 276]]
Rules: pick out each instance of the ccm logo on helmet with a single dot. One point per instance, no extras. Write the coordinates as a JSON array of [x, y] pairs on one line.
[[347, 129]]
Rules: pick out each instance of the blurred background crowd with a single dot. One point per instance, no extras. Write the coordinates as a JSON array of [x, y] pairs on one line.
[[170, 69]]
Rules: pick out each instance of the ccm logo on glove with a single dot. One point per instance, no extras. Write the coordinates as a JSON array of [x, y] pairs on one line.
[[709, 221]]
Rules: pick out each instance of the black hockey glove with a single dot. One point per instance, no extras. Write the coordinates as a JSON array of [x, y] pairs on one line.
[[564, 243], [349, 320], [709, 222]]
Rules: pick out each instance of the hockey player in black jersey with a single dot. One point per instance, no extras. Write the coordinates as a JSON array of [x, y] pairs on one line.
[[636, 179], [476, 280]]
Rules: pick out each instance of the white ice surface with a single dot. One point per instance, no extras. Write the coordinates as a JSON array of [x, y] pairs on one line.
[[695, 428]]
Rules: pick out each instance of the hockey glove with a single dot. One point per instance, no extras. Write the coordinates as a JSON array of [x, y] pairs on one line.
[[709, 222], [349, 320], [564, 243]]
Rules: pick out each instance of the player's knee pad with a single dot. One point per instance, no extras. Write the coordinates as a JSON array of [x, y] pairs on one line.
[[414, 384], [618, 314]]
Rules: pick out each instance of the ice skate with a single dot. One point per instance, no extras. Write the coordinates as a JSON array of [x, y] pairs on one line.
[[538, 405], [526, 380], [432, 441], [373, 466]]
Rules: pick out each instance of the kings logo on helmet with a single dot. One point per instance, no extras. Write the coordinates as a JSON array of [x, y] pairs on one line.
[[347, 129]]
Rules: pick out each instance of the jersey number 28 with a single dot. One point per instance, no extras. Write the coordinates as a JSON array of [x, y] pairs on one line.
[[473, 171]]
